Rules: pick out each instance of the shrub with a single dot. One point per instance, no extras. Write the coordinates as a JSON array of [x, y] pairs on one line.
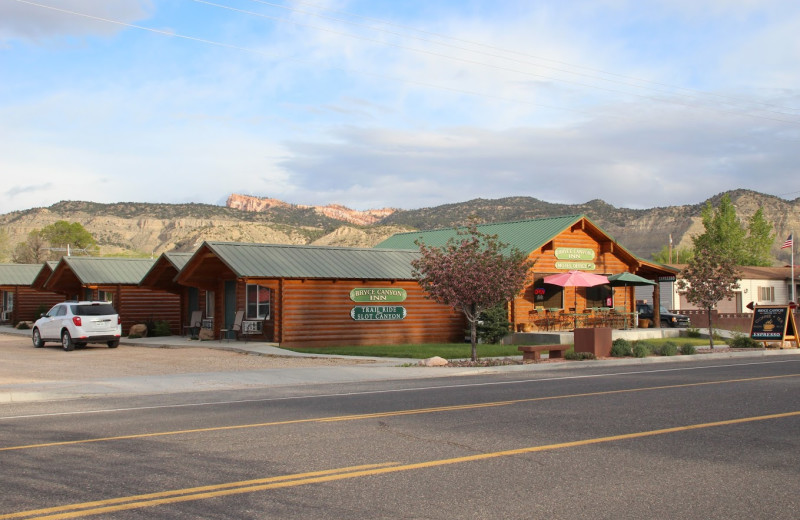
[[493, 325], [742, 341], [621, 347], [157, 328], [688, 349], [640, 350], [578, 356], [161, 328], [668, 348], [693, 332]]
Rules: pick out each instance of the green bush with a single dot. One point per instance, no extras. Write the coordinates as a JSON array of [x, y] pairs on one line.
[[693, 332], [157, 328], [688, 349], [493, 325], [578, 356], [742, 341], [621, 347], [667, 348], [640, 349]]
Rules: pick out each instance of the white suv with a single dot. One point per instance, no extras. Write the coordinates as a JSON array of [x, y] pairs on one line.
[[74, 324]]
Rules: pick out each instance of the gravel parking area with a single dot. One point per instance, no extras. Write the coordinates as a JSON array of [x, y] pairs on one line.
[[21, 363]]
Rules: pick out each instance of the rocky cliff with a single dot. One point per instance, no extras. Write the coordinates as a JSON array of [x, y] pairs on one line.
[[334, 211]]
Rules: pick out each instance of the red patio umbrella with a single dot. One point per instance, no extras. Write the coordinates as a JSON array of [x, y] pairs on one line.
[[576, 279]]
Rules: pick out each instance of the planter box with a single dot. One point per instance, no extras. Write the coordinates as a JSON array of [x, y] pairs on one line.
[[596, 340]]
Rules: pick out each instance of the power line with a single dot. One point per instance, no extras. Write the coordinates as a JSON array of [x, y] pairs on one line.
[[509, 51], [381, 76], [493, 66]]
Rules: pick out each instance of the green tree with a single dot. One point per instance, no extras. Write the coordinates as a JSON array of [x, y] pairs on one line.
[[679, 256], [62, 234], [32, 251], [759, 240], [726, 235], [472, 274], [709, 278]]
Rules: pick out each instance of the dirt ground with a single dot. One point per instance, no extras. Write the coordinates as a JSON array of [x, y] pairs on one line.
[[20, 362]]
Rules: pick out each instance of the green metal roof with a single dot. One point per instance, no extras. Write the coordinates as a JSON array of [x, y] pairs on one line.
[[19, 274], [178, 260], [95, 270], [525, 235], [288, 261]]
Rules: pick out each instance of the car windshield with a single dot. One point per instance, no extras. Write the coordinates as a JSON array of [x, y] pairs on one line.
[[94, 309], [663, 310]]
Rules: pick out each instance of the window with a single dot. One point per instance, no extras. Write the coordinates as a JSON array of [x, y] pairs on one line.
[[598, 296], [105, 296], [8, 301], [209, 304], [546, 295], [766, 294], [258, 302]]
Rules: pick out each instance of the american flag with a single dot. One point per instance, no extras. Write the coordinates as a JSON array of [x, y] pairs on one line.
[[788, 243]]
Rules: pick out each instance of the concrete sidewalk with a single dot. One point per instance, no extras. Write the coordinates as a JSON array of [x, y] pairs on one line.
[[383, 369]]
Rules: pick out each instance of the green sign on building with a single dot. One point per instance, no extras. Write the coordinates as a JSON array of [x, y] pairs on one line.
[[576, 266], [378, 294], [574, 253], [378, 312]]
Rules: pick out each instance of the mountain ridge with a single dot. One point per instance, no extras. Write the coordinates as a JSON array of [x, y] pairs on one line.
[[145, 229]]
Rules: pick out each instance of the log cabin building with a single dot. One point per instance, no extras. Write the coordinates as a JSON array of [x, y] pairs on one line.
[[163, 275], [558, 245], [116, 280], [317, 296], [20, 300]]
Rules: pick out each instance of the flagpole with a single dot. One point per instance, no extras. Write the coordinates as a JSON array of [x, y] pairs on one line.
[[793, 282]]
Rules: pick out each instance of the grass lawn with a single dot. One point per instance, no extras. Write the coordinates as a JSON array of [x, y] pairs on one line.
[[420, 351], [459, 350]]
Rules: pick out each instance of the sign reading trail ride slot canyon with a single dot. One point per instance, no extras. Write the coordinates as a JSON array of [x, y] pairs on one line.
[[773, 323], [378, 312]]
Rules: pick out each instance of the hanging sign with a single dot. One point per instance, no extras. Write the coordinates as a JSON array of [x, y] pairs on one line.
[[574, 253], [378, 294], [773, 323], [576, 266], [378, 312]]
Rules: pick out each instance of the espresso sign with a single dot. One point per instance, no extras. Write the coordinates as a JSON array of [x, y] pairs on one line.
[[773, 323], [378, 294], [378, 312]]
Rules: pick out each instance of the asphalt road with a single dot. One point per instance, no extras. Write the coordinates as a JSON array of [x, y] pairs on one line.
[[707, 439]]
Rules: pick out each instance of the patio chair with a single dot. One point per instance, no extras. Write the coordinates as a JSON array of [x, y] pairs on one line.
[[195, 323], [236, 328]]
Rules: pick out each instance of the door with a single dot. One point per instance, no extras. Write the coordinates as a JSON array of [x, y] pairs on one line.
[[229, 305]]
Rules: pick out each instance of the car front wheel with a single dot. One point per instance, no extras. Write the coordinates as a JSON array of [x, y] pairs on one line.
[[37, 339], [66, 341]]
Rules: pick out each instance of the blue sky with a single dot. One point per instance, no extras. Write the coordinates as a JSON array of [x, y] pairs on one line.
[[408, 104]]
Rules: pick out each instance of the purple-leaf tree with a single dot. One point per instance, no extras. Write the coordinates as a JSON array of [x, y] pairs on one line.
[[709, 278], [472, 273]]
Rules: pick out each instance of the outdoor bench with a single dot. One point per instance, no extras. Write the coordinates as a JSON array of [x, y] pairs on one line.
[[531, 353]]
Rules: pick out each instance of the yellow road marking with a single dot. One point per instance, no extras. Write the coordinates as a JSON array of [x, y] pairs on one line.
[[396, 413], [196, 490], [250, 486]]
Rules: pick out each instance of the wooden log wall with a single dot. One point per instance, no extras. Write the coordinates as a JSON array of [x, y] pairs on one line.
[[138, 305], [29, 303], [316, 313], [606, 262]]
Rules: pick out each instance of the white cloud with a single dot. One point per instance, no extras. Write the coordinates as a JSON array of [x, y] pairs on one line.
[[35, 23]]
